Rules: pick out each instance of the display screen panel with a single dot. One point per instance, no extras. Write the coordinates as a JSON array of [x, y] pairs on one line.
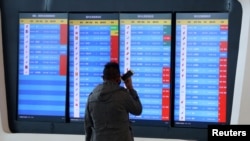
[[93, 43], [201, 69], [42, 73], [145, 48]]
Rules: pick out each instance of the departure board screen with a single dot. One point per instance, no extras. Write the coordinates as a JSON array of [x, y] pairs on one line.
[[201, 69], [42, 66], [93, 42], [145, 48]]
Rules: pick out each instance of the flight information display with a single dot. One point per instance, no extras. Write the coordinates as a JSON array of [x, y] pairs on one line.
[[42, 66], [93, 42], [145, 48], [201, 69]]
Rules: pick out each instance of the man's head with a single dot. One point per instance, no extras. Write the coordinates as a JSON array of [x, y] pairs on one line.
[[111, 72]]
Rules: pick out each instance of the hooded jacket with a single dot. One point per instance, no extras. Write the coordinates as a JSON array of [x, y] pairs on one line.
[[107, 113]]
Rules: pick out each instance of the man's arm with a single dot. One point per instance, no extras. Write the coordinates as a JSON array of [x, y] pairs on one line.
[[133, 102]]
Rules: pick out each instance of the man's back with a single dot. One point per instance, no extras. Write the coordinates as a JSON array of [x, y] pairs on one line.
[[107, 112]]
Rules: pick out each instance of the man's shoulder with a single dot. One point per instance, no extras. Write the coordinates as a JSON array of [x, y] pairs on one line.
[[123, 92], [123, 89]]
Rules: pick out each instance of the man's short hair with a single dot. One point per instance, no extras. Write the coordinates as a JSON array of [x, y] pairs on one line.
[[111, 71]]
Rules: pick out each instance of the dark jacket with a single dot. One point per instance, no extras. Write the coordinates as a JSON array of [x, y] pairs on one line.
[[107, 113]]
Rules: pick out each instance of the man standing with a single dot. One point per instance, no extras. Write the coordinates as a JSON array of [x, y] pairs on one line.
[[108, 107]]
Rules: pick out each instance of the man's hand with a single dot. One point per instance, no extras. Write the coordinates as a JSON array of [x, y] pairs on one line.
[[128, 83]]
